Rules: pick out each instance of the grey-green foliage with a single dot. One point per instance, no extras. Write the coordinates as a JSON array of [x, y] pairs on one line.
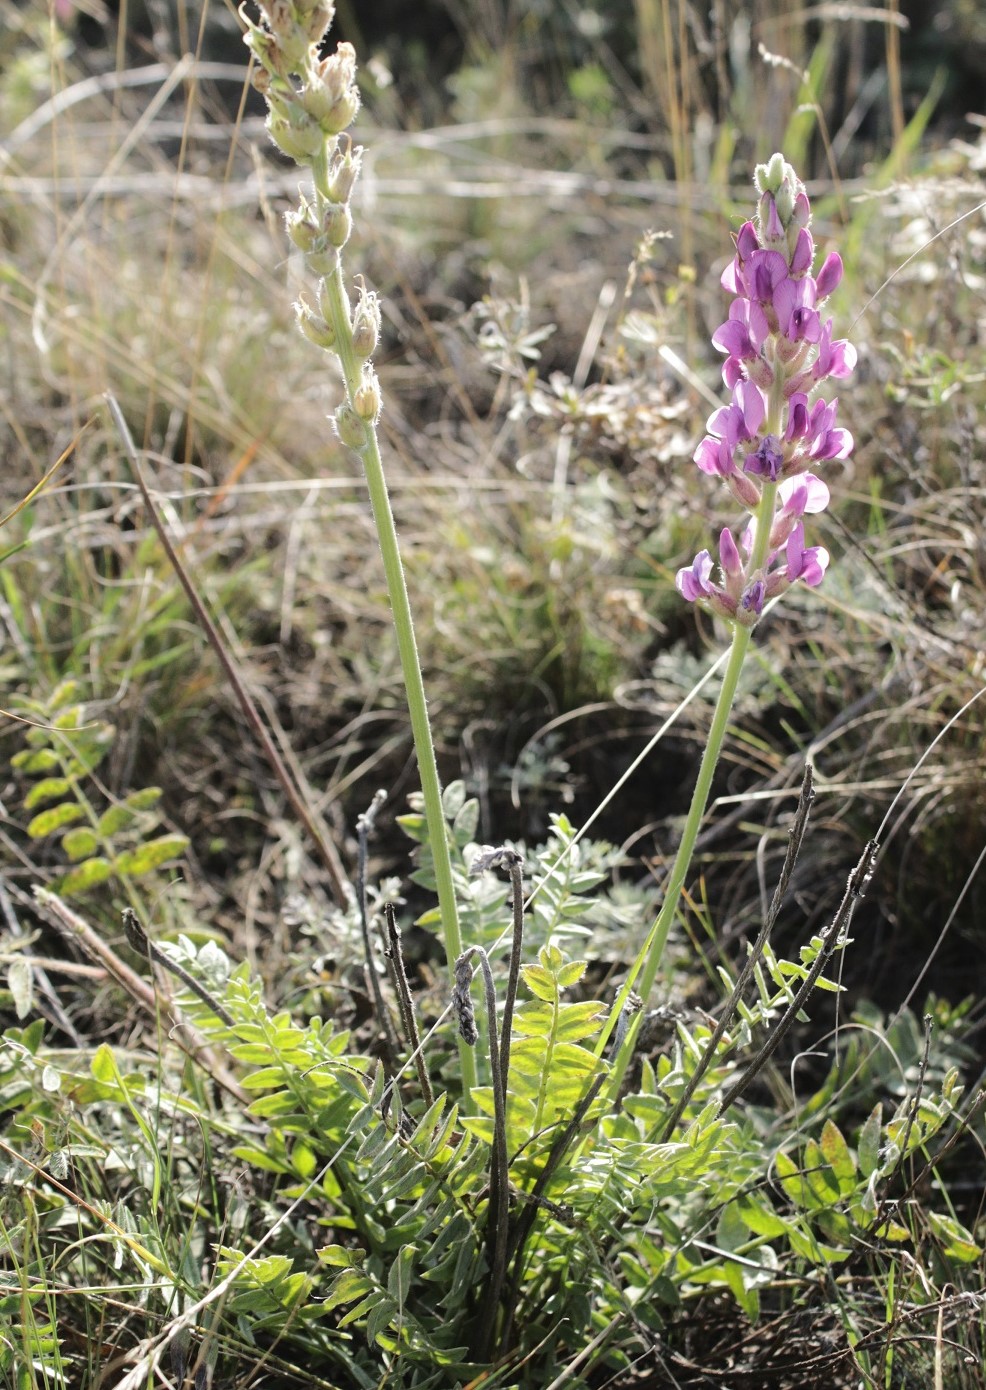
[[571, 892], [354, 1239], [102, 839]]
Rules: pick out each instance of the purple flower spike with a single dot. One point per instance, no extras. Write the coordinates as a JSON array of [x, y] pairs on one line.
[[693, 582], [767, 442]]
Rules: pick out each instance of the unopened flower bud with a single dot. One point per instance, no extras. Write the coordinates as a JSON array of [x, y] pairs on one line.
[[767, 177], [729, 557], [366, 397], [350, 428], [784, 198], [342, 113], [830, 275]]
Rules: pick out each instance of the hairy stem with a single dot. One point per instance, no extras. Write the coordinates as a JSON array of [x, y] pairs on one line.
[[649, 958], [336, 304]]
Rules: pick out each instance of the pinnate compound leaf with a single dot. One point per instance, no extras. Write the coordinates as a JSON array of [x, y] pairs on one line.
[[571, 973], [47, 822], [957, 1243], [88, 875], [46, 790], [540, 982], [151, 855], [869, 1142], [569, 1023], [80, 842], [838, 1157]]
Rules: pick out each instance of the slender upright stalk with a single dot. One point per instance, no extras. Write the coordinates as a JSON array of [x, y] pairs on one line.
[[764, 446], [649, 958], [311, 100], [335, 305]]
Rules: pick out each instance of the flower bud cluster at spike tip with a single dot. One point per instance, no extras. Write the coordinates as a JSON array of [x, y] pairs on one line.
[[311, 99], [766, 443]]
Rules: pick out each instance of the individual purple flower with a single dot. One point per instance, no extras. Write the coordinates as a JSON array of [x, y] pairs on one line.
[[752, 599], [692, 582], [729, 556], [809, 565], [829, 276], [834, 359], [744, 332], [794, 305], [796, 497], [767, 459], [827, 441]]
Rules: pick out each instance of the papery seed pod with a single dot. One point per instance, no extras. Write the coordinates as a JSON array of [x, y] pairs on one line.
[[344, 171], [316, 329], [322, 259], [316, 18], [462, 1005], [350, 428], [301, 228], [342, 113], [366, 324], [325, 300], [337, 222], [296, 135], [366, 397]]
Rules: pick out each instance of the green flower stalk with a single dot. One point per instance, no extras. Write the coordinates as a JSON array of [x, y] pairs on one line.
[[311, 101]]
